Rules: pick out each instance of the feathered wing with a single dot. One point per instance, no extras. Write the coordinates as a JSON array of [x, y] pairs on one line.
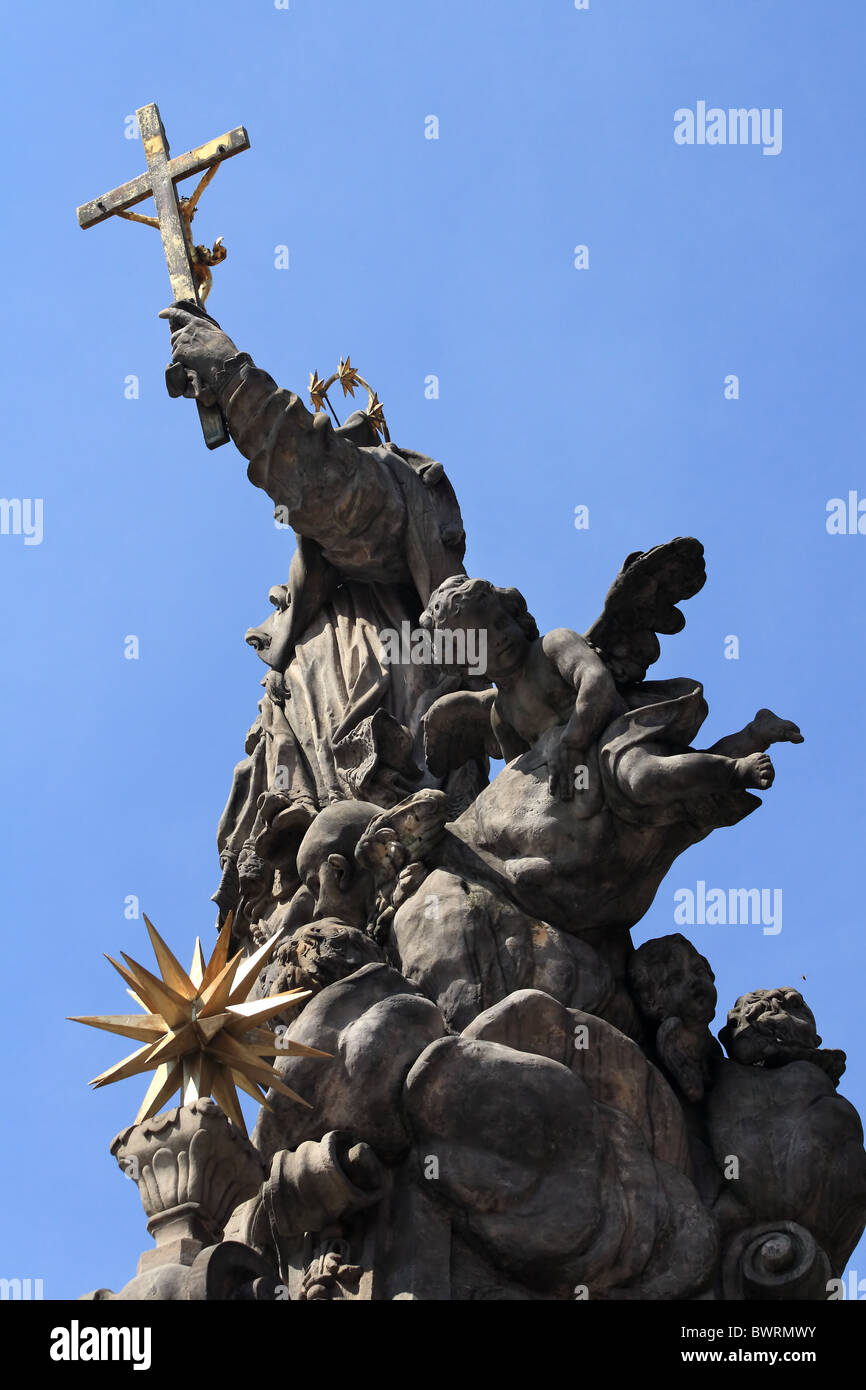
[[642, 601], [458, 730]]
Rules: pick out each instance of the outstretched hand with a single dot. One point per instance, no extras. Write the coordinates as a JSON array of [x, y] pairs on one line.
[[199, 349], [562, 768]]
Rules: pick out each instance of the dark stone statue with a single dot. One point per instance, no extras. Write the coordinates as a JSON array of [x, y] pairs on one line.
[[514, 1102]]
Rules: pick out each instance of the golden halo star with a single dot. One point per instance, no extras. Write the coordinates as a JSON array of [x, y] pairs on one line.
[[319, 391], [200, 1032], [347, 375], [376, 415]]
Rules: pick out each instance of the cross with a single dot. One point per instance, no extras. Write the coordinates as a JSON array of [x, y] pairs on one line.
[[159, 183]]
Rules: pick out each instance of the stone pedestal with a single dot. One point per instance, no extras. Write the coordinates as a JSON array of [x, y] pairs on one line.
[[193, 1167]]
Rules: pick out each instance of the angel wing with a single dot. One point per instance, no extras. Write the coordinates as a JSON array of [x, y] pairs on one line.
[[458, 730], [641, 602]]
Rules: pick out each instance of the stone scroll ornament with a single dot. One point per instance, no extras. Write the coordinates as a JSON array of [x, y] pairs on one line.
[[474, 1086]]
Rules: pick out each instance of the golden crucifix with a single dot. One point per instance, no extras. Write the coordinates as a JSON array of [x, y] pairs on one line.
[[188, 265]]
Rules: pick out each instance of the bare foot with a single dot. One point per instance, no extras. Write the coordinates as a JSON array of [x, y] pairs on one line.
[[755, 771], [769, 728]]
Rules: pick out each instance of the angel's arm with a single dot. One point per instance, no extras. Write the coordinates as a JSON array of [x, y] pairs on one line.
[[580, 667], [596, 704]]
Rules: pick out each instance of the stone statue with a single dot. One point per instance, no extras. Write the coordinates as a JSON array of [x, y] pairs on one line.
[[487, 1093], [798, 1143], [676, 995], [378, 528]]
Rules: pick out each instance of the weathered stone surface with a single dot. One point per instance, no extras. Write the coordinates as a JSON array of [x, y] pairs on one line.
[[518, 1105], [550, 1182], [799, 1150], [375, 1025], [612, 1066], [192, 1168]]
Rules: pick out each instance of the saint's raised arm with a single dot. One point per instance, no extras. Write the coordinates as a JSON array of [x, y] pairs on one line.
[[380, 514]]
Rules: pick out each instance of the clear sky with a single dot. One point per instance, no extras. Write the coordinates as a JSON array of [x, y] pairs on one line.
[[601, 387]]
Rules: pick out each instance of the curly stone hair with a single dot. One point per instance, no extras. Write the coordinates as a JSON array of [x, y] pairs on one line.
[[448, 600]]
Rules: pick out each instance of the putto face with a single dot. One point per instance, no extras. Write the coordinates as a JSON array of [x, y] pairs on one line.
[[770, 1025], [692, 989], [678, 984], [474, 606], [506, 644], [329, 950]]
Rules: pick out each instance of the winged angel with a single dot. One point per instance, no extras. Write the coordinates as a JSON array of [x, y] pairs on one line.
[[602, 788]]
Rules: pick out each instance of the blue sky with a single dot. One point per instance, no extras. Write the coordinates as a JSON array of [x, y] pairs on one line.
[[558, 387]]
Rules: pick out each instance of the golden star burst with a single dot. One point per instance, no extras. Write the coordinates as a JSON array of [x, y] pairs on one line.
[[376, 415], [348, 377], [201, 1033], [319, 390]]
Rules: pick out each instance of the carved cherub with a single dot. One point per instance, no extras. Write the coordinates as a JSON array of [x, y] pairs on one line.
[[675, 992], [772, 1027], [541, 682], [537, 678], [798, 1143], [566, 681]]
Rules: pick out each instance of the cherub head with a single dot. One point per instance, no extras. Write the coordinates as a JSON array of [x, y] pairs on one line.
[[342, 888], [501, 614], [671, 979], [323, 952], [769, 1027]]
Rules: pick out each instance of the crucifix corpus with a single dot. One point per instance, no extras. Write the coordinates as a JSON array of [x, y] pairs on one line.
[[188, 265]]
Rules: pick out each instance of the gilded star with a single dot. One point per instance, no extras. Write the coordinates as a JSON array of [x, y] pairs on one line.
[[376, 415], [319, 391], [201, 1032], [348, 377]]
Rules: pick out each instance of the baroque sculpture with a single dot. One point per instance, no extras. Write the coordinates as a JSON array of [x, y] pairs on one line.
[[474, 1086]]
